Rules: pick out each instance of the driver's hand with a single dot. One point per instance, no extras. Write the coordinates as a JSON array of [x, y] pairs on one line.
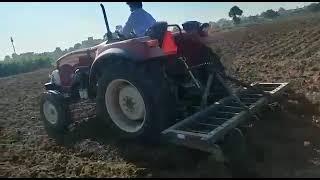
[[121, 36]]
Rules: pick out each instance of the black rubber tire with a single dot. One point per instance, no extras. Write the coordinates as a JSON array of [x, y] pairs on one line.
[[148, 79], [59, 130]]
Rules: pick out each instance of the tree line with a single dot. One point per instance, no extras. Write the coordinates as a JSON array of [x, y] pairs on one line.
[[235, 12], [13, 67], [26, 62]]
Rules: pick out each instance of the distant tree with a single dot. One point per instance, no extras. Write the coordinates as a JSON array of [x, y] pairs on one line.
[[270, 14], [77, 46], [253, 18], [58, 50], [15, 56], [281, 10], [234, 12], [314, 7], [7, 58], [105, 37], [22, 65], [70, 49], [56, 53]]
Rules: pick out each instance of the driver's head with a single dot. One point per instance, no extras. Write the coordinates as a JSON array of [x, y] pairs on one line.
[[134, 5]]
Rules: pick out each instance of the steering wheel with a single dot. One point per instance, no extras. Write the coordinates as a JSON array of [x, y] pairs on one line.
[[123, 37], [133, 35]]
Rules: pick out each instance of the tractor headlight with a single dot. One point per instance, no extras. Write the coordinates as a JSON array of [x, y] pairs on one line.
[[55, 77]]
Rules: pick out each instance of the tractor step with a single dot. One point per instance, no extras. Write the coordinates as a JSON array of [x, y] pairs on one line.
[[207, 126]]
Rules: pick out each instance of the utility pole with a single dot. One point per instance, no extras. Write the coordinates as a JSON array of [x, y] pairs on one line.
[[14, 50]]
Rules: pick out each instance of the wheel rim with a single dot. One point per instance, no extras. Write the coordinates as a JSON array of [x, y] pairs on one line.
[[125, 105], [50, 112]]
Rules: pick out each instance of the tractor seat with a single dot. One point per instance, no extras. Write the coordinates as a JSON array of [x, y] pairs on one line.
[[157, 31], [191, 26]]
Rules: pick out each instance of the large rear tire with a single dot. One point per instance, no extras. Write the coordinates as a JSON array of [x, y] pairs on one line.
[[134, 99], [55, 115]]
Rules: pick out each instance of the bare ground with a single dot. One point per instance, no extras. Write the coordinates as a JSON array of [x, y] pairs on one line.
[[286, 143]]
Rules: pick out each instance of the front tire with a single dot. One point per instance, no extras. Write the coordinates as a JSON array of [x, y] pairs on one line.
[[55, 115], [134, 99]]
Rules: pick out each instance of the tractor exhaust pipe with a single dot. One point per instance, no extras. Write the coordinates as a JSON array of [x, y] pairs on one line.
[[109, 34]]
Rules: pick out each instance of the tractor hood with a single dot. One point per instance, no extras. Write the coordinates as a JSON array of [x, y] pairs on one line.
[[137, 48]]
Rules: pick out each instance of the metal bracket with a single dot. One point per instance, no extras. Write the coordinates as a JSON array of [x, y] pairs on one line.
[[183, 59], [236, 97], [206, 92]]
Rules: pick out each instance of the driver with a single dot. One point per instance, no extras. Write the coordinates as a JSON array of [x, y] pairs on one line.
[[139, 20]]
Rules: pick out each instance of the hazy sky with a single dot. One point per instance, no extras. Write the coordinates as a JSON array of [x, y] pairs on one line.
[[39, 27]]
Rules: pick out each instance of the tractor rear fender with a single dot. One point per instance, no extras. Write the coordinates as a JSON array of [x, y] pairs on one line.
[[115, 53], [102, 59]]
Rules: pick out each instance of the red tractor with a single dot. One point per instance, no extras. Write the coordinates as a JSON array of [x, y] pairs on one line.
[[165, 84]]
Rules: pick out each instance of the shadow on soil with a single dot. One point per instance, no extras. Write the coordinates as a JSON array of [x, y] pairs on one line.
[[157, 160], [284, 140]]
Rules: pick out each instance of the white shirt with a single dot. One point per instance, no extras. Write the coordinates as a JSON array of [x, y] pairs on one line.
[[138, 22]]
